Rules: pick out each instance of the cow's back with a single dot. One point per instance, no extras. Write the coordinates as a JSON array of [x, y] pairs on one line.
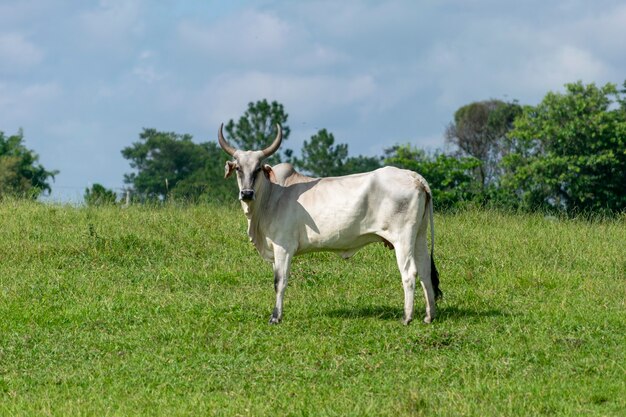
[[286, 175]]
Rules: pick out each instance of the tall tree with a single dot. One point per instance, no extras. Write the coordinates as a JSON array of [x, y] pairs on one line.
[[256, 129], [207, 183], [322, 158], [479, 130], [357, 164], [621, 99], [21, 174], [168, 163], [570, 151], [161, 160]]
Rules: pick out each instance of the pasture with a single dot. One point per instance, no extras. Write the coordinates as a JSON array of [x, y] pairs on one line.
[[163, 311]]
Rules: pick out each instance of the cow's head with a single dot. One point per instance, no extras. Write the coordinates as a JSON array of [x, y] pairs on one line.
[[248, 164]]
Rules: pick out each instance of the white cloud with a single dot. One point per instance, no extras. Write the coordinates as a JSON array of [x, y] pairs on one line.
[[353, 20], [226, 96], [21, 13], [245, 37], [554, 68], [41, 92], [602, 36], [263, 40], [147, 73], [25, 105], [17, 53], [112, 24], [146, 70], [146, 54], [373, 73], [514, 57], [315, 57]]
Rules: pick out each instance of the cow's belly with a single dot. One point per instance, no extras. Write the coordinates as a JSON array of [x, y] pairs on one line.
[[338, 231], [346, 246]]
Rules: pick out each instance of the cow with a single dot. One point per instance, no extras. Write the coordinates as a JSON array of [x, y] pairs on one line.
[[290, 214]]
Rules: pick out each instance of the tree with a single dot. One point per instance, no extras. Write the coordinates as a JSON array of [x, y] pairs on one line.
[[207, 183], [256, 129], [322, 158], [161, 160], [357, 164], [20, 172], [570, 151], [98, 195], [450, 177], [621, 99], [170, 164], [479, 130]]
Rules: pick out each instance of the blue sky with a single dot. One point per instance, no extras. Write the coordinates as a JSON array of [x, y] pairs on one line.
[[82, 78]]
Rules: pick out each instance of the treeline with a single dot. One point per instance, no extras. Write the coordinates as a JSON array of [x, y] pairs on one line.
[[566, 154]]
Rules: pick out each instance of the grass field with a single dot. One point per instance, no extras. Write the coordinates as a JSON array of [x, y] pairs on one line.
[[163, 311]]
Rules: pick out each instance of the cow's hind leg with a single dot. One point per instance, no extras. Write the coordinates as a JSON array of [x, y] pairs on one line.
[[408, 271], [282, 262], [424, 272]]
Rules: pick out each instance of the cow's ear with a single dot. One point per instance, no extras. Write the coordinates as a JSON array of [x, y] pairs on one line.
[[269, 173], [229, 168]]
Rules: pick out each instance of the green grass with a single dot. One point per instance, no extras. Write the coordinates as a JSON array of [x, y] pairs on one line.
[[163, 311]]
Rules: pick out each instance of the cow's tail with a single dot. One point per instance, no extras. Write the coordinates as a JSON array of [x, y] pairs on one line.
[[434, 274]]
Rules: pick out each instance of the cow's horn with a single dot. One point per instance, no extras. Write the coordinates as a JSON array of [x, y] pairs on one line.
[[274, 146], [225, 145]]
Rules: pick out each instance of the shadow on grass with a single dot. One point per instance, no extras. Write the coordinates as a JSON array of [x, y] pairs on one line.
[[385, 312]]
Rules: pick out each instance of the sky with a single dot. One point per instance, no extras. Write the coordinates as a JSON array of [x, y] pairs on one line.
[[83, 78]]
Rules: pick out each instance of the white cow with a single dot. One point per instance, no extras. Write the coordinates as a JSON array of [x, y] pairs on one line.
[[290, 214]]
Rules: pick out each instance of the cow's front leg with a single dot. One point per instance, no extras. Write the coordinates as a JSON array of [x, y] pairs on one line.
[[282, 262]]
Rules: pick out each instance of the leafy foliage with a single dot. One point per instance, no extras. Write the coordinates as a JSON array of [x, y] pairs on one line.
[[356, 164], [322, 158], [161, 159], [570, 152], [98, 195], [169, 164], [256, 129], [20, 172], [479, 130], [207, 183], [450, 177]]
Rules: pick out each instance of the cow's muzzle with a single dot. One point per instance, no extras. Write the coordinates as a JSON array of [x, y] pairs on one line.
[[246, 195]]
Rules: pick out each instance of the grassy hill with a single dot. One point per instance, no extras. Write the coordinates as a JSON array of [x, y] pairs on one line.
[[163, 311]]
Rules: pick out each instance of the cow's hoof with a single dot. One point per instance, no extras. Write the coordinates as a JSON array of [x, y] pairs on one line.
[[275, 317], [428, 320], [406, 321]]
